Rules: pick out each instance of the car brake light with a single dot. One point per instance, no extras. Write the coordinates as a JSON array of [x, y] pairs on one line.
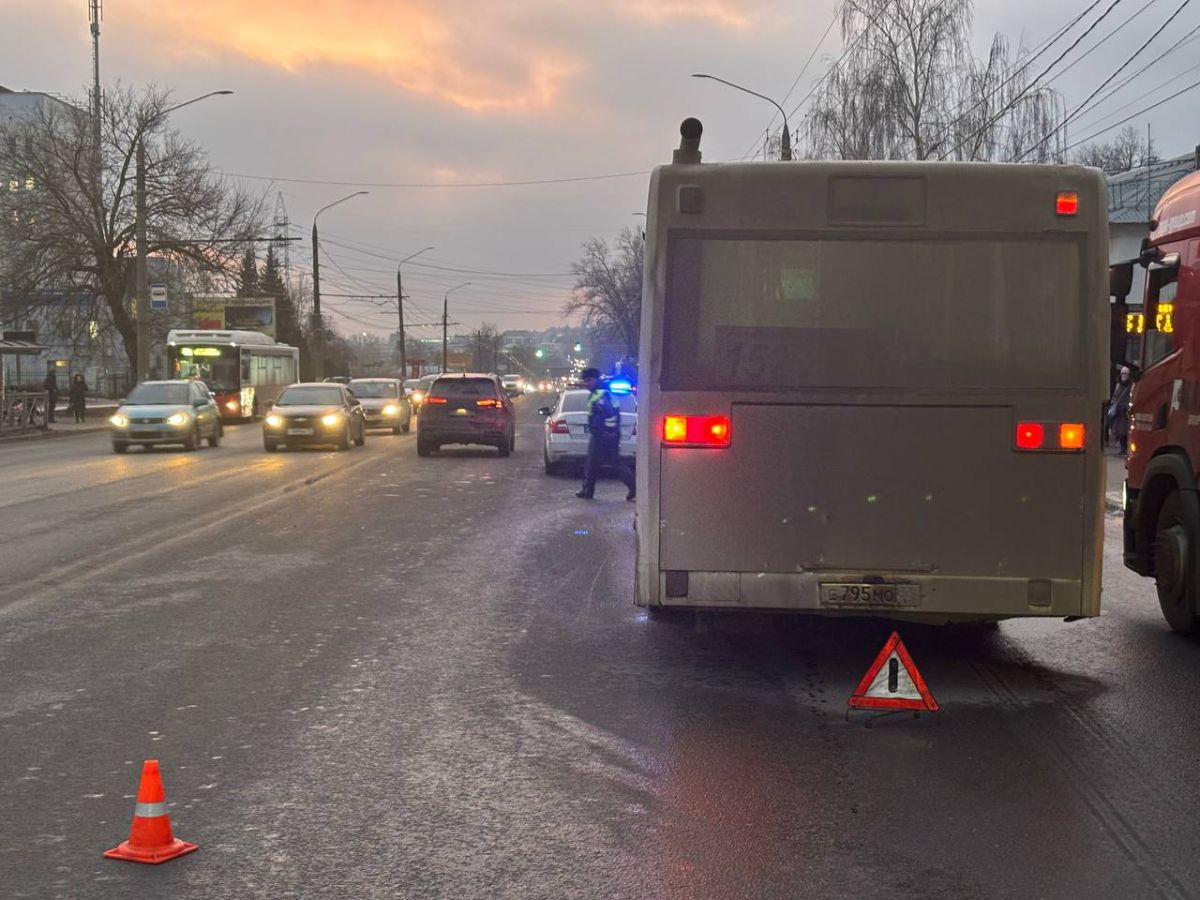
[[1030, 435], [491, 403], [435, 400], [701, 431], [1071, 435], [1067, 203], [558, 426]]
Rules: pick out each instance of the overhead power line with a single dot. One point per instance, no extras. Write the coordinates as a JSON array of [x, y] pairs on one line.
[[1063, 124], [1142, 111], [439, 184]]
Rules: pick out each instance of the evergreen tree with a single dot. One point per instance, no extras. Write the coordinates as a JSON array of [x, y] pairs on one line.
[[287, 323], [248, 275]]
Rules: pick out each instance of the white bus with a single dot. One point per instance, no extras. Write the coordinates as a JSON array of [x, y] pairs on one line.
[[245, 370], [872, 388]]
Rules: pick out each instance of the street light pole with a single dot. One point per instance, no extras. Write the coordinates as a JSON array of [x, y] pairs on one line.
[[142, 298], [785, 139], [318, 327], [400, 310], [446, 320]]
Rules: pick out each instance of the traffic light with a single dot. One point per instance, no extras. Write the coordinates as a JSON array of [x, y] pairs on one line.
[[539, 352], [578, 347]]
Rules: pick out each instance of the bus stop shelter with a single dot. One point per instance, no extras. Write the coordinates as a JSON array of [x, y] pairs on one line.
[[20, 410]]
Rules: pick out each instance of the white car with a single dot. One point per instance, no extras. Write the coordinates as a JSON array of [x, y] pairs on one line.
[[566, 441]]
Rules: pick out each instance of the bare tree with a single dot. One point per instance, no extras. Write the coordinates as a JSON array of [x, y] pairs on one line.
[[74, 228], [909, 88], [1126, 151], [608, 287]]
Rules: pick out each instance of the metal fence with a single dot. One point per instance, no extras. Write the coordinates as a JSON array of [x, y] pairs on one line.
[[22, 411]]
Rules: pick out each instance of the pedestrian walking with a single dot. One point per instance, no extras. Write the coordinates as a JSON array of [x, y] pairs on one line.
[[50, 386], [1117, 418], [78, 397], [604, 437]]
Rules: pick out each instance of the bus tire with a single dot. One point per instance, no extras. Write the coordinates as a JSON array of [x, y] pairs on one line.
[[1175, 571]]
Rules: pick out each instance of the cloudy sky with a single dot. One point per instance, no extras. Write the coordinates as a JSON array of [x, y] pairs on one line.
[[420, 98]]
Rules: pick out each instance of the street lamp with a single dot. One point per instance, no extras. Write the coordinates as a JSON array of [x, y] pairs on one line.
[[141, 302], [317, 326], [446, 319], [785, 141], [400, 308]]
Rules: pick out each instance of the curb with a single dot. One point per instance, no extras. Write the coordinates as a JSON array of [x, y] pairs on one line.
[[49, 433]]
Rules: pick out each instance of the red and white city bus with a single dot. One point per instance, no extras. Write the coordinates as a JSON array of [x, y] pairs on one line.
[[246, 370]]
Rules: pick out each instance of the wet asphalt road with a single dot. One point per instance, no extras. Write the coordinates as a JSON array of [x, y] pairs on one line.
[[372, 675]]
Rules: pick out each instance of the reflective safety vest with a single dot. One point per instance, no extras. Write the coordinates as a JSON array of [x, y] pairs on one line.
[[604, 417]]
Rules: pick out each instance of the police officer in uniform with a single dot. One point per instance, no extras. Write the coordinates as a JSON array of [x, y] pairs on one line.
[[604, 437]]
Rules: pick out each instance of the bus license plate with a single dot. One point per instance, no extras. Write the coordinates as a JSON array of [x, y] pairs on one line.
[[299, 431], [870, 596]]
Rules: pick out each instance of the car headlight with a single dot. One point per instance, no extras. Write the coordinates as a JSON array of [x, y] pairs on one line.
[[391, 409], [119, 420], [332, 419], [274, 421], [177, 419]]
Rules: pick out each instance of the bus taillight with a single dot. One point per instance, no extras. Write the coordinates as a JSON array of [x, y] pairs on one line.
[[1050, 436], [1067, 203], [1071, 435], [1030, 435], [697, 431]]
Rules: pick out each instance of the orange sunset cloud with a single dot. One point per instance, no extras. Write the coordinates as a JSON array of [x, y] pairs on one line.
[[499, 55]]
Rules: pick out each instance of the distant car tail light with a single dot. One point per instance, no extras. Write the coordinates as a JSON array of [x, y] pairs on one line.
[[1067, 203], [558, 426], [493, 404], [433, 401], [1051, 436], [697, 431]]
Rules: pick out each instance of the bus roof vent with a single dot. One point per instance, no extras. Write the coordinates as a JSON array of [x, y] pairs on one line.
[[689, 143]]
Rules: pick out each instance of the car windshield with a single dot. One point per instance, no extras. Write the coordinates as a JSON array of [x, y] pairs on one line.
[[463, 387], [373, 389], [576, 401], [309, 396], [158, 394]]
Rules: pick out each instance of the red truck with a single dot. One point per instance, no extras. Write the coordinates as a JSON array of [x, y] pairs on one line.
[[1162, 501]]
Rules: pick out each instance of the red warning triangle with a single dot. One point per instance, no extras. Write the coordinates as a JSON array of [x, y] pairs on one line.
[[893, 682]]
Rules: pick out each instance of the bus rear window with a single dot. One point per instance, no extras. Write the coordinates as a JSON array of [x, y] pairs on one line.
[[964, 312]]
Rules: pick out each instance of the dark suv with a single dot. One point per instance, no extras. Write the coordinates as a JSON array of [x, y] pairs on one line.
[[466, 409]]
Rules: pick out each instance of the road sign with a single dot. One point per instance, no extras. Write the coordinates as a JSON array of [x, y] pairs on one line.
[[893, 682], [158, 296]]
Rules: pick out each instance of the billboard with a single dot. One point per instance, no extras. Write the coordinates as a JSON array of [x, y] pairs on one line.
[[240, 313]]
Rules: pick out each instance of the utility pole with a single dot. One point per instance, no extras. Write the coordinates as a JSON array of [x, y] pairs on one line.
[[446, 321], [318, 326], [95, 13], [400, 311], [143, 282]]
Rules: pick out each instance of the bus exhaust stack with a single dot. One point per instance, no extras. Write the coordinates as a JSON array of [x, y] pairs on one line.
[[689, 143]]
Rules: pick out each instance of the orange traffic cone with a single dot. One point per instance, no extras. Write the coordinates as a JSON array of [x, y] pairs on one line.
[[150, 837]]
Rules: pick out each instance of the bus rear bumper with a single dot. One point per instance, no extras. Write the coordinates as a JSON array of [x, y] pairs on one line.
[[927, 597]]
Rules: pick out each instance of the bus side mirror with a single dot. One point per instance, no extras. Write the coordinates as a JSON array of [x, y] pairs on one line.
[[1120, 280]]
